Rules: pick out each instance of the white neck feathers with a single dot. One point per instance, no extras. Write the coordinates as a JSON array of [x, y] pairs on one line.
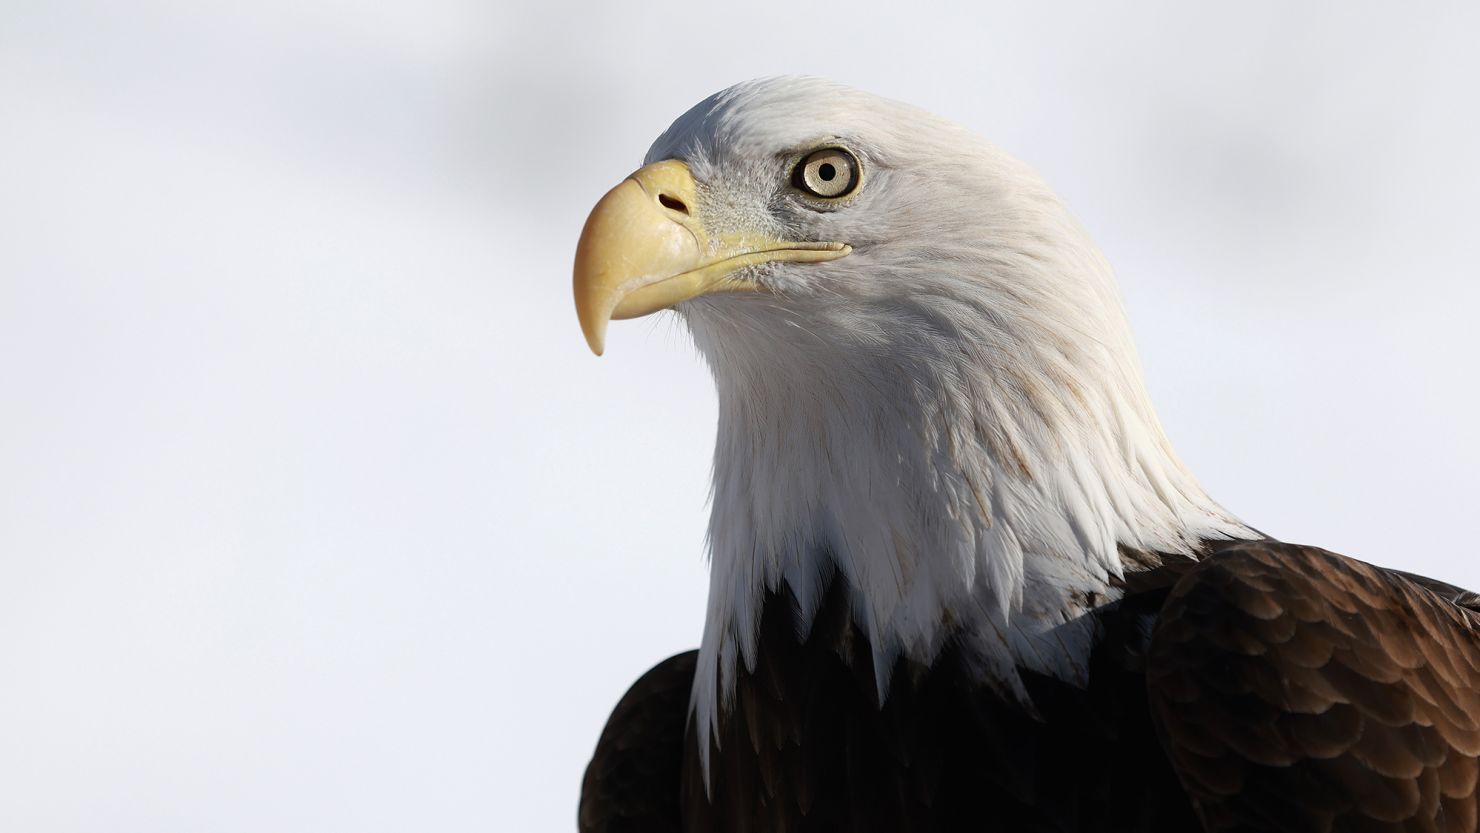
[[970, 458]]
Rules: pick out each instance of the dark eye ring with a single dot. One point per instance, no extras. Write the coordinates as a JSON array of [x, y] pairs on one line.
[[829, 173]]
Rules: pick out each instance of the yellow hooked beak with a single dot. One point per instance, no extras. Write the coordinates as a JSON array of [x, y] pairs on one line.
[[645, 248]]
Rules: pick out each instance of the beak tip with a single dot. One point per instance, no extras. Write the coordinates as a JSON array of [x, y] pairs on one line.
[[593, 310], [595, 337]]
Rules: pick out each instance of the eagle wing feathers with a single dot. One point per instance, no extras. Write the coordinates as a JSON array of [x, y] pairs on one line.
[[1299, 690], [631, 784]]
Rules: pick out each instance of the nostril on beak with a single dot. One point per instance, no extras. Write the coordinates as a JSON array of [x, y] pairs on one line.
[[673, 203]]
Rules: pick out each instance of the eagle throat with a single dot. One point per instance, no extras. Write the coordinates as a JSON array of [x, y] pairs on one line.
[[981, 496]]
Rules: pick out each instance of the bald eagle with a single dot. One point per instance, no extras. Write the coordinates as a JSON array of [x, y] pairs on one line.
[[959, 578]]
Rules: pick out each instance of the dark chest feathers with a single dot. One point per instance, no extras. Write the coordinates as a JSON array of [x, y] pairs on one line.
[[806, 746]]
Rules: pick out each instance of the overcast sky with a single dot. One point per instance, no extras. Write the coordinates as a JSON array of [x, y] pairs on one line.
[[317, 515]]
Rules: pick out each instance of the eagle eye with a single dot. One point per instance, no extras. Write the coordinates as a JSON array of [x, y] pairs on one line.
[[828, 173]]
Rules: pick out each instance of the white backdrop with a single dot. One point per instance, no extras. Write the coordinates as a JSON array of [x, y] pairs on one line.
[[315, 513]]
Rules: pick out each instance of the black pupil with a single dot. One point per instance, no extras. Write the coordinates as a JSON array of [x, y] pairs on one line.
[[826, 172]]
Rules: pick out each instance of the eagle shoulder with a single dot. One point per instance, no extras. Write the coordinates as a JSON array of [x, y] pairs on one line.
[[632, 782], [1300, 690]]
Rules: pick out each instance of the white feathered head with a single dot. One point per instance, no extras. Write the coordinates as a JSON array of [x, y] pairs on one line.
[[927, 382]]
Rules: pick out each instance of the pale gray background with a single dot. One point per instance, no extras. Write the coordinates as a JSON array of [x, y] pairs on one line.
[[315, 513]]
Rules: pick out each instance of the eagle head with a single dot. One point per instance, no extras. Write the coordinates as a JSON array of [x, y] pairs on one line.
[[927, 384]]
